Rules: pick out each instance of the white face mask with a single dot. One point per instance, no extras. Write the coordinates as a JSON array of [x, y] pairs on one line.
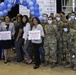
[[69, 19], [65, 29], [58, 18], [49, 21], [44, 18], [72, 17]]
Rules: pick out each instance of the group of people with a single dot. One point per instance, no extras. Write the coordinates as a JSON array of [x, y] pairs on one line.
[[55, 47]]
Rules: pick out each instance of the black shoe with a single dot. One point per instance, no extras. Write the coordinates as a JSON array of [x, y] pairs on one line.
[[8, 60], [5, 62], [37, 66]]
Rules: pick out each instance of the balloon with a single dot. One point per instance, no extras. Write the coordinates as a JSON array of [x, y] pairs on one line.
[[31, 8], [8, 9], [34, 1], [40, 9], [9, 6], [24, 3], [0, 8], [32, 12], [36, 9], [40, 18], [2, 4], [28, 6], [1, 13], [30, 3], [41, 13], [36, 5], [6, 2], [10, 1], [36, 15], [5, 11]]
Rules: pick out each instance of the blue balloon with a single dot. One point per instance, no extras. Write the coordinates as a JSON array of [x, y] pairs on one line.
[[1, 13], [5, 11], [9, 9], [13, 4], [40, 9], [31, 8], [24, 3], [10, 1], [30, 3], [36, 9], [36, 5], [32, 12], [34, 1], [40, 18], [41, 13], [6, 2], [19, 2], [9, 6], [28, 6], [4, 6], [1, 8], [36, 15]]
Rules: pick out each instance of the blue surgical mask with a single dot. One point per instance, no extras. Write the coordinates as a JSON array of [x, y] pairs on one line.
[[49, 21], [72, 17], [58, 18]]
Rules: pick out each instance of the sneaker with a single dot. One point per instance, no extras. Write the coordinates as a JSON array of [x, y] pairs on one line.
[[30, 61]]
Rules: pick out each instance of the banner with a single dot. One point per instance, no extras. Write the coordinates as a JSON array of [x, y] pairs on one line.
[[5, 35], [23, 10], [47, 6], [34, 35]]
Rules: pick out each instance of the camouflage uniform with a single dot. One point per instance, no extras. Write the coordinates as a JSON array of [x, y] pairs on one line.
[[59, 41], [72, 23], [71, 51], [50, 43], [42, 51]]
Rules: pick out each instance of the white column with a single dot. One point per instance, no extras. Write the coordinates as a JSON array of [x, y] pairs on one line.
[[73, 5]]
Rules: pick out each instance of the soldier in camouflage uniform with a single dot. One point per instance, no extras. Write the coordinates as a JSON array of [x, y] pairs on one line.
[[69, 45], [50, 42], [42, 51], [59, 25], [72, 21]]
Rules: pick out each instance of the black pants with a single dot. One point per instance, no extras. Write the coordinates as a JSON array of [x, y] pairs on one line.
[[36, 54], [0, 49], [19, 50]]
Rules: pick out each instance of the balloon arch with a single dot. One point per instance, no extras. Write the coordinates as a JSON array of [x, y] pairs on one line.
[[32, 5]]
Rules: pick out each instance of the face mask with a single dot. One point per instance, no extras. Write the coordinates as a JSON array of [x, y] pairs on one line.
[[72, 17], [69, 19], [49, 21], [65, 29], [44, 18], [58, 18]]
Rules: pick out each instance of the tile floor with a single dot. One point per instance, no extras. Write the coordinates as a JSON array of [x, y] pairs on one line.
[[14, 68]]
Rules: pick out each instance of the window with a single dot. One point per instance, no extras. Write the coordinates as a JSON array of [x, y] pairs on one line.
[[67, 6]]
